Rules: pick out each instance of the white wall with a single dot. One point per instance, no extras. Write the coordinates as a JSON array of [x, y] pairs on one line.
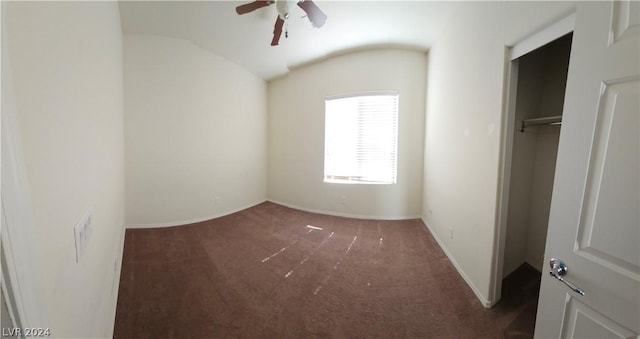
[[463, 127], [296, 133], [66, 62], [548, 138], [195, 133]]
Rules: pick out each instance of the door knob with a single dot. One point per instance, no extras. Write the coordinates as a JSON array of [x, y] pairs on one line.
[[559, 270]]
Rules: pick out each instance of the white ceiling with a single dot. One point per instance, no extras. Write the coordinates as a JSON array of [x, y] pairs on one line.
[[245, 39]]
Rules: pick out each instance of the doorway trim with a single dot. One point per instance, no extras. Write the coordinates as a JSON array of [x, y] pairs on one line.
[[538, 39]]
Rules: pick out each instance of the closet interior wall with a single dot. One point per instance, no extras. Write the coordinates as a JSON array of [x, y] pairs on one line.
[[542, 76]]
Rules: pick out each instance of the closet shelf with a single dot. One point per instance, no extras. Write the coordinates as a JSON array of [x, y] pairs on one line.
[[553, 120]]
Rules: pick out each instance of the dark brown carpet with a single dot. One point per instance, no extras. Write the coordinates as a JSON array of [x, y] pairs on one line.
[[263, 273]]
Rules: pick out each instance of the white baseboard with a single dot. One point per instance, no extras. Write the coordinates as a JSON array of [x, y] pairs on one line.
[[115, 284], [486, 303], [192, 221], [346, 215]]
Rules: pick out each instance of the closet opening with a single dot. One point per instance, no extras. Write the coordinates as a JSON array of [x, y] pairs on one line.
[[533, 125]]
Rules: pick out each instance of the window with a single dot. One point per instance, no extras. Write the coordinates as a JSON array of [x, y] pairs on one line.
[[361, 133]]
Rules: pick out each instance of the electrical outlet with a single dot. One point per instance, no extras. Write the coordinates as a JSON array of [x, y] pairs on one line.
[[450, 232], [82, 232]]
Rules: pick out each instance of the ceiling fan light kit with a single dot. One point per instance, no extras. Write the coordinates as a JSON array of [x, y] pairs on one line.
[[284, 7]]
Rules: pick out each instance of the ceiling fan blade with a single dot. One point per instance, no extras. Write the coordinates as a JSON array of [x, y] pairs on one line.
[[252, 6], [314, 13], [277, 31]]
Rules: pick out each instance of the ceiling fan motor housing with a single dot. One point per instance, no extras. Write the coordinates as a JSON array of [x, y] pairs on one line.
[[284, 7]]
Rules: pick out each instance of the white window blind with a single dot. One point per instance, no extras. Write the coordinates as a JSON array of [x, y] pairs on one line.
[[361, 133]]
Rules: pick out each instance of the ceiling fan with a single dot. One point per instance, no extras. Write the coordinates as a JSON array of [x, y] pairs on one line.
[[315, 15]]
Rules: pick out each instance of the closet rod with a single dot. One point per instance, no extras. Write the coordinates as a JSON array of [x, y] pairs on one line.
[[554, 120]]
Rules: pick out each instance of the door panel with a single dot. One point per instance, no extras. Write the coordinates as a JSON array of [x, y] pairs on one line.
[[594, 223], [625, 21], [611, 200], [584, 322]]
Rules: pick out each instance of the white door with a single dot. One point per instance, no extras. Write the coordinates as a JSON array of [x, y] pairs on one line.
[[594, 224]]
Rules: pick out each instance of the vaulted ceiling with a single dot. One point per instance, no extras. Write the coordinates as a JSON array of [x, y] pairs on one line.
[[245, 39]]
